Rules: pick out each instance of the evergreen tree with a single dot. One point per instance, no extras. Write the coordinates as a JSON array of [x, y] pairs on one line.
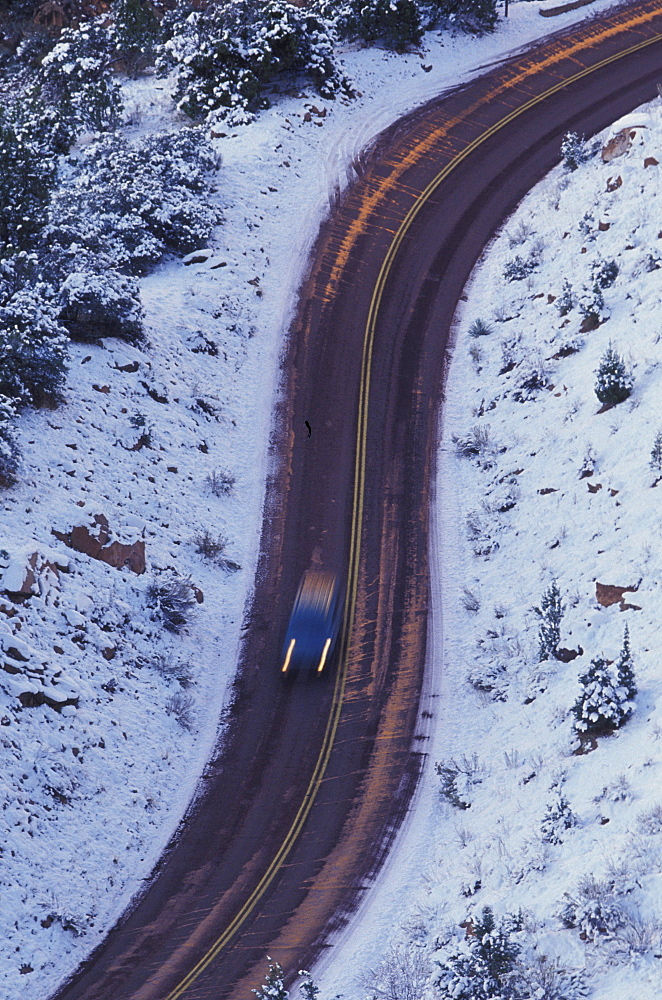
[[656, 453], [26, 180], [600, 706], [565, 301], [550, 612], [273, 987], [557, 819], [627, 685], [485, 967], [614, 382], [574, 151]]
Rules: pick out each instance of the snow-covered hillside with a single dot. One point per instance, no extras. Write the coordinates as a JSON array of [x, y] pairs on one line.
[[158, 456], [557, 830]]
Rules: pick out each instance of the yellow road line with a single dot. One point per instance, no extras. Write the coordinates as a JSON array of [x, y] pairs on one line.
[[355, 538]]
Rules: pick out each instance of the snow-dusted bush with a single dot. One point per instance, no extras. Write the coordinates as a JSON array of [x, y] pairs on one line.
[[224, 56], [593, 908], [457, 778], [520, 267], [395, 23], [614, 382], [136, 30], [558, 819], [173, 598], [484, 965], [9, 451], [221, 482], [76, 77], [181, 706], [213, 547], [574, 150], [477, 443], [604, 273], [534, 377], [550, 613], [26, 179], [101, 305], [602, 705], [544, 978], [402, 974], [33, 348], [141, 200], [591, 305], [473, 16]]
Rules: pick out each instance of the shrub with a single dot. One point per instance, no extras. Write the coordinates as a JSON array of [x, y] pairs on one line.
[[519, 268], [472, 16], [33, 349], [173, 598], [605, 273], [457, 778], [141, 200], [181, 706], [101, 305], [213, 548], [221, 482], [26, 179], [479, 328], [591, 305], [9, 451], [656, 452], [550, 613], [544, 978], [592, 908], [574, 151], [396, 23], [614, 382], [76, 77], [476, 444], [225, 55], [136, 29], [401, 975]]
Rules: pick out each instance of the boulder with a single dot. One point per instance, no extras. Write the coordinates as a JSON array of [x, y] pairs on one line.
[[617, 145], [606, 595], [94, 539]]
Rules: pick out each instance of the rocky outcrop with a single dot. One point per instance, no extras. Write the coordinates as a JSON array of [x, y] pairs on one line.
[[23, 675], [606, 595], [94, 538], [30, 570]]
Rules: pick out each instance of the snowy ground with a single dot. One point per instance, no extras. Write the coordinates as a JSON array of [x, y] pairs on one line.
[[88, 790], [562, 490]]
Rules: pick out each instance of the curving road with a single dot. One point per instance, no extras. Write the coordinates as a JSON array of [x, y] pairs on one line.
[[313, 779]]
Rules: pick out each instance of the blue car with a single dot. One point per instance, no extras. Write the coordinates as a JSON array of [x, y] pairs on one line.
[[314, 625]]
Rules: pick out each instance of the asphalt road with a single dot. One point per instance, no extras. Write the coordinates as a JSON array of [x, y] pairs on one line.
[[305, 793]]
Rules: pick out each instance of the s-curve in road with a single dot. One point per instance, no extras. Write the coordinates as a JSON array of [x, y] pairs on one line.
[[301, 804]]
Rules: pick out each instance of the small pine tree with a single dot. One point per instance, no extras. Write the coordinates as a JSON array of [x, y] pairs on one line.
[[600, 706], [273, 987], [574, 151], [656, 453], [627, 685], [309, 988], [558, 818], [614, 382], [485, 967], [9, 452], [565, 301], [550, 612]]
